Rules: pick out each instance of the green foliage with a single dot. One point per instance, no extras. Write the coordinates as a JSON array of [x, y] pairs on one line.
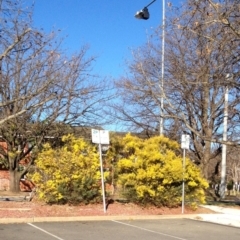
[[150, 172], [4, 162], [69, 174], [230, 185]]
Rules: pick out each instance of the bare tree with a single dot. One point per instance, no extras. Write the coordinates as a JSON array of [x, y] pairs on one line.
[[40, 89], [200, 51], [233, 165]]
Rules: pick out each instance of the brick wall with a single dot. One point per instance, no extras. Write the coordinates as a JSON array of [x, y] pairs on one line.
[[4, 180], [26, 185]]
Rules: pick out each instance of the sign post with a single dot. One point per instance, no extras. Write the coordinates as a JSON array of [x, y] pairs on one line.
[[101, 137], [185, 140]]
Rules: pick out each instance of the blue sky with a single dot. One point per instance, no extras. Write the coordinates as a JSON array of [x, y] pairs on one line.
[[108, 27]]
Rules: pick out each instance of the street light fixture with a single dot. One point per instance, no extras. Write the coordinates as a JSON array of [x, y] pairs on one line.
[[144, 14]]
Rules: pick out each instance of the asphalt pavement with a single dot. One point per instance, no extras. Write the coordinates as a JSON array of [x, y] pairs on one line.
[[155, 229]]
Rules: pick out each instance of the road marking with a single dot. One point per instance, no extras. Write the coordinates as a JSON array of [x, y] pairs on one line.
[[145, 229], [45, 231]]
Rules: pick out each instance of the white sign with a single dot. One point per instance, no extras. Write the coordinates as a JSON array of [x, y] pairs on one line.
[[100, 136], [185, 141]]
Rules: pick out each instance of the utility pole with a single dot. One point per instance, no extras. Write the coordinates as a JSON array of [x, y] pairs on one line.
[[224, 146]]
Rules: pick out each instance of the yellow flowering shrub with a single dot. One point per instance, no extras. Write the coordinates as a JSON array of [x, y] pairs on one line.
[[151, 172], [68, 174]]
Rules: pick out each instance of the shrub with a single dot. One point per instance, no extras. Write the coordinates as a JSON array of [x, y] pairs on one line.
[[151, 173], [69, 174]]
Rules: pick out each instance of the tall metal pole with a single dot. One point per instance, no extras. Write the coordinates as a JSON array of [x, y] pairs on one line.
[[102, 178], [101, 137], [162, 75], [185, 142], [183, 182], [224, 146]]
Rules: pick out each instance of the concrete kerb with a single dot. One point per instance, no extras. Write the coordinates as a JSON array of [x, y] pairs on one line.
[[219, 218], [96, 218], [15, 198]]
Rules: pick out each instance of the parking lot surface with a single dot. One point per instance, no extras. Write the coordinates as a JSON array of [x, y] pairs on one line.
[[164, 229]]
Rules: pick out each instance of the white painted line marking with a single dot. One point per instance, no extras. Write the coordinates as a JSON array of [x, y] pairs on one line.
[[145, 229], [45, 231]]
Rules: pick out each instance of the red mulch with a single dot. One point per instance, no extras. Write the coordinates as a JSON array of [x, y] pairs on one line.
[[10, 209]]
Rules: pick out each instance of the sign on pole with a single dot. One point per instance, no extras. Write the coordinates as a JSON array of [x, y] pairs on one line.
[[104, 137], [95, 136], [185, 141], [100, 136]]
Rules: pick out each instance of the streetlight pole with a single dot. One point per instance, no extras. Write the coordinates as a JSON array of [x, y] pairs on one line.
[[144, 14], [162, 76]]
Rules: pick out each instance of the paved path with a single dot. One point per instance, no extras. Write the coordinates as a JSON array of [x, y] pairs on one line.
[[225, 216]]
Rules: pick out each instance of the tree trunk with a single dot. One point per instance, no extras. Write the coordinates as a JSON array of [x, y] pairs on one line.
[[205, 170], [206, 161], [15, 181]]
